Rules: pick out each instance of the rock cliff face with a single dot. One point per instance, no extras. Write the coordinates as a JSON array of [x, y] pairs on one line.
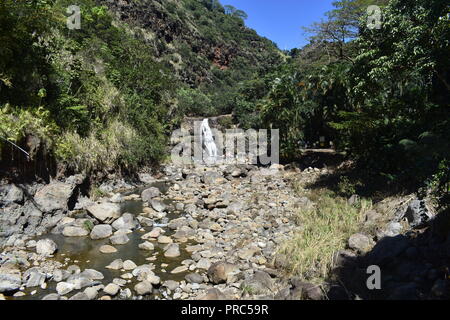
[[199, 42]]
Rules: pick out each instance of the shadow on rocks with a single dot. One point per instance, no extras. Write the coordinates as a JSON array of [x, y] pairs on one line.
[[414, 266]]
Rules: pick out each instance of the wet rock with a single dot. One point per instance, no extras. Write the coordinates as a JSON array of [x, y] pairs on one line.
[[126, 221], [105, 212], [35, 279], [119, 239], [71, 231], [79, 281], [143, 288], [107, 249], [60, 275], [145, 222], [115, 265], [92, 274], [64, 288], [111, 289], [172, 251], [101, 231], [147, 246], [148, 194], [221, 272], [46, 247], [129, 265], [74, 269], [155, 233], [360, 242]]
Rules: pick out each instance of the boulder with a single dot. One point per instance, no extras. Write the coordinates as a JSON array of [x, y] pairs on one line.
[[105, 212], [46, 247], [111, 289], [129, 265], [148, 246], [54, 196], [64, 288], [172, 251], [101, 231], [115, 265], [125, 222], [107, 249], [119, 239], [72, 231]]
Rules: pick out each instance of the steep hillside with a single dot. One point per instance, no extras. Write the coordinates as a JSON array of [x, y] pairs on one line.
[[205, 46]]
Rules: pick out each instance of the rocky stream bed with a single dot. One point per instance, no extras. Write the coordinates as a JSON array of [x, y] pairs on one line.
[[194, 233]]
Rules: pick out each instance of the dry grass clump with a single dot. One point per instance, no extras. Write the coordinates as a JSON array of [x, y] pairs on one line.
[[324, 228]]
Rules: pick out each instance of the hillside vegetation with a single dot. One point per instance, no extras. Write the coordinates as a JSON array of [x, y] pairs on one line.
[[106, 96]]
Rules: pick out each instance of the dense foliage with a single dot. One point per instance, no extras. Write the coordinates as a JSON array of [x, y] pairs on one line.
[[382, 95]]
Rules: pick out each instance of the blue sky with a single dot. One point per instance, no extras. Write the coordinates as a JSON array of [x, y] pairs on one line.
[[281, 20]]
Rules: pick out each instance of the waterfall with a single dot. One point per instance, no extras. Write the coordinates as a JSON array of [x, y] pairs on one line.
[[208, 140]]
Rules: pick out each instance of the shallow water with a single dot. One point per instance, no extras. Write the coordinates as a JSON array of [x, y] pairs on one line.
[[84, 252]]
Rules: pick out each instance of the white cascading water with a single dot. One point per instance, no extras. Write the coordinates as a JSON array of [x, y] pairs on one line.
[[208, 140]]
